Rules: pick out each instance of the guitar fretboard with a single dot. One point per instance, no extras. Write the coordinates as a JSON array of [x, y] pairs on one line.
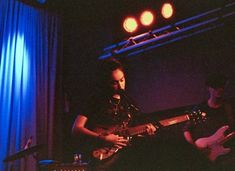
[[166, 122], [174, 120]]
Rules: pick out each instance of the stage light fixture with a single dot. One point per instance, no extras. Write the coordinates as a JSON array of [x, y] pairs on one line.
[[167, 10], [130, 24], [41, 1], [146, 18]]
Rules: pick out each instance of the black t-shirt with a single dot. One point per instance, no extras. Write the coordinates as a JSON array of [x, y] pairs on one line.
[[215, 119], [106, 112]]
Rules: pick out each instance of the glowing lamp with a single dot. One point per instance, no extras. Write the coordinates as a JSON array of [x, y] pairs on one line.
[[167, 10], [146, 18], [130, 24]]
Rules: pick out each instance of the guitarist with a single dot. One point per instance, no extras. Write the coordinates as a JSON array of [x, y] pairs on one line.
[[219, 117], [109, 108]]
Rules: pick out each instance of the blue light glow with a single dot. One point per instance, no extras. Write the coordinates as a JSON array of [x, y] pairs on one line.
[[15, 65], [24, 76], [14, 76]]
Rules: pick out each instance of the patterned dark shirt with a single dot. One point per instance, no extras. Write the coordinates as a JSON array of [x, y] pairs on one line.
[[106, 112]]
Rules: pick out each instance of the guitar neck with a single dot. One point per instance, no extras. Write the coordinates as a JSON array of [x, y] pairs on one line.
[[166, 122], [174, 120]]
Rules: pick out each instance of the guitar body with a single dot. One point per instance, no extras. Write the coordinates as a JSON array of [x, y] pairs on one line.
[[214, 143], [107, 150], [216, 151], [104, 153]]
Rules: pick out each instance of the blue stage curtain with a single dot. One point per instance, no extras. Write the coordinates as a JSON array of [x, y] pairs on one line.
[[28, 68]]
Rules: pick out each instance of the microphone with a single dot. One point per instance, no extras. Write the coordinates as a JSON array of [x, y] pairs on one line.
[[123, 95]]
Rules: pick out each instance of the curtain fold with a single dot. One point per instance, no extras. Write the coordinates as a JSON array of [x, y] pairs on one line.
[[28, 78]]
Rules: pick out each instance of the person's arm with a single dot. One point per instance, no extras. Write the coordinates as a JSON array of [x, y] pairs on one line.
[[188, 137], [139, 119], [79, 128], [187, 132]]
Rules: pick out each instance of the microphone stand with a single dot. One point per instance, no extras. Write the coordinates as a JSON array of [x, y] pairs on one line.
[[129, 101]]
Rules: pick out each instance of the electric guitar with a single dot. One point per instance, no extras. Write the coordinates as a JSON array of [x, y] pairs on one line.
[[214, 143], [105, 152]]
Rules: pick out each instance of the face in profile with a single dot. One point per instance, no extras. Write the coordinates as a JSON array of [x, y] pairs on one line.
[[117, 81]]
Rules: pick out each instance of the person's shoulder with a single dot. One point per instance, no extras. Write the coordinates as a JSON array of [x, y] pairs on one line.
[[94, 100], [230, 101], [229, 104], [88, 103]]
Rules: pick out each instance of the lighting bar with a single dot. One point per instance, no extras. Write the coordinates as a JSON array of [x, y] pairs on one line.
[[185, 28]]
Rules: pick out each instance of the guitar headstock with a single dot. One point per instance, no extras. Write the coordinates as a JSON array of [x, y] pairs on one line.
[[197, 116]]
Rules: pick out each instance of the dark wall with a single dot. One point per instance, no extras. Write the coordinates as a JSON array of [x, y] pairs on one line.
[[174, 75]]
